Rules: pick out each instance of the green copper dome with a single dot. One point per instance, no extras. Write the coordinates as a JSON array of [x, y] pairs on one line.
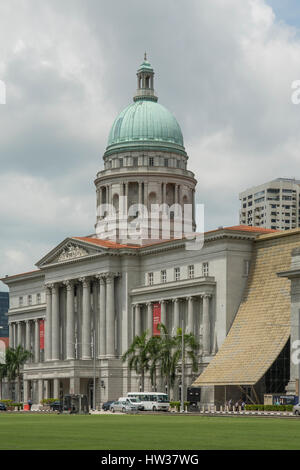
[[145, 124]]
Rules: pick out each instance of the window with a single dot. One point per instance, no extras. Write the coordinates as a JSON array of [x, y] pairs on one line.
[[20, 301], [163, 276], [205, 269], [29, 299], [38, 298], [151, 161], [177, 274], [191, 271], [121, 162], [166, 162], [135, 161], [150, 279]]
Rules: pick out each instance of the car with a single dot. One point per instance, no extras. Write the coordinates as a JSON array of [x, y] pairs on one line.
[[2, 407], [56, 406], [124, 406], [135, 403], [296, 409], [106, 406]]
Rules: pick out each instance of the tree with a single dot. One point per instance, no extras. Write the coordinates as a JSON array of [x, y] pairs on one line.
[[139, 356], [167, 356], [171, 353], [163, 352], [190, 348], [15, 359], [3, 374]]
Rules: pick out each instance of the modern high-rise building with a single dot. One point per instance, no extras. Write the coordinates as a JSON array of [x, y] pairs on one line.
[[273, 205], [4, 306]]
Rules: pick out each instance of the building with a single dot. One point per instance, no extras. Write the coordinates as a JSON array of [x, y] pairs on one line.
[[256, 356], [273, 205], [4, 306], [79, 311]]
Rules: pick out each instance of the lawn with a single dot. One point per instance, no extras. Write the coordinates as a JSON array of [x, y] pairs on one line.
[[145, 432]]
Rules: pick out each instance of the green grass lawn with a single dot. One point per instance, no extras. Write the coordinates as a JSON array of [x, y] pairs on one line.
[[145, 432]]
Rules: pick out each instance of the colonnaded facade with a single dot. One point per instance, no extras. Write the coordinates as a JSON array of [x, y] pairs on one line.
[[89, 297]]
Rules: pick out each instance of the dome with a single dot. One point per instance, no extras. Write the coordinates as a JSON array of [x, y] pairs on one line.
[[148, 124]]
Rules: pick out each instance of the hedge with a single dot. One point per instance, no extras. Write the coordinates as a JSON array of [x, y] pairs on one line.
[[48, 401], [177, 404], [269, 407]]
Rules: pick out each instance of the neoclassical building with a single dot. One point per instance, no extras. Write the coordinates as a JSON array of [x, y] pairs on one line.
[[79, 311]]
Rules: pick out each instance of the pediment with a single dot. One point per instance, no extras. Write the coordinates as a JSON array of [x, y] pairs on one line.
[[69, 250]]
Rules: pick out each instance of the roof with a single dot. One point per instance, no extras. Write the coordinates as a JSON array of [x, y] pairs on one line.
[[245, 228], [114, 245], [261, 327], [145, 122]]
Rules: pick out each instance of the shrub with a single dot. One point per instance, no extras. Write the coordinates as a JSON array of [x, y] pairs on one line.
[[269, 407], [7, 402], [48, 401], [19, 405]]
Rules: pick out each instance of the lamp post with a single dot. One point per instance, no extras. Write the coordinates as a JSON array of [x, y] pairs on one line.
[[182, 367]]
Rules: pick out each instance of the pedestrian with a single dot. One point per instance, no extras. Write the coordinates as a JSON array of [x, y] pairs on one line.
[[30, 404]]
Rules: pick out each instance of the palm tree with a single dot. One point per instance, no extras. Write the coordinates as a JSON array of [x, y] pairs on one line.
[[3, 374], [171, 353], [15, 359], [154, 345], [190, 348], [139, 356], [167, 356]]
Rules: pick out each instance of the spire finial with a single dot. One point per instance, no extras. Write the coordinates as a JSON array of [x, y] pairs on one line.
[[145, 56]]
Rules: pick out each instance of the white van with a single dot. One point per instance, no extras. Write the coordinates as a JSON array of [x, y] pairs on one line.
[[131, 403], [152, 401]]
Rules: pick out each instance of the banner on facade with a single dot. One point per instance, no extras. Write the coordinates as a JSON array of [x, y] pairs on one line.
[[42, 335], [156, 318]]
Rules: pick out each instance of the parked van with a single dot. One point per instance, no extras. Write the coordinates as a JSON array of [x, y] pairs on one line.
[[127, 404]]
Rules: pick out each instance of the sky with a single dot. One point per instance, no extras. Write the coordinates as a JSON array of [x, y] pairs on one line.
[[224, 68]]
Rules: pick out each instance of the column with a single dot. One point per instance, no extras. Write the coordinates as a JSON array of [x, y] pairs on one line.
[[102, 317], [149, 319], [25, 390], [140, 193], [19, 333], [163, 312], [47, 389], [86, 319], [138, 320], [40, 390], [110, 316], [176, 314], [10, 334], [74, 385], [206, 325], [56, 388], [190, 323], [36, 341], [70, 327], [27, 337], [48, 321], [55, 323]]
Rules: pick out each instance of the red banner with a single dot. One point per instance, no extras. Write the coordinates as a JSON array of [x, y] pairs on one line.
[[42, 334], [156, 318]]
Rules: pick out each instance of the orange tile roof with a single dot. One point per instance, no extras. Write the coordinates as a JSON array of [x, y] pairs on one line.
[[245, 228], [104, 243]]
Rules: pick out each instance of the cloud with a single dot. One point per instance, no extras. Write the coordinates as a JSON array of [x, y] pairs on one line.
[[224, 68]]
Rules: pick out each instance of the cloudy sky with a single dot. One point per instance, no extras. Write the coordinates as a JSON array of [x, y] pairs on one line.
[[223, 67]]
